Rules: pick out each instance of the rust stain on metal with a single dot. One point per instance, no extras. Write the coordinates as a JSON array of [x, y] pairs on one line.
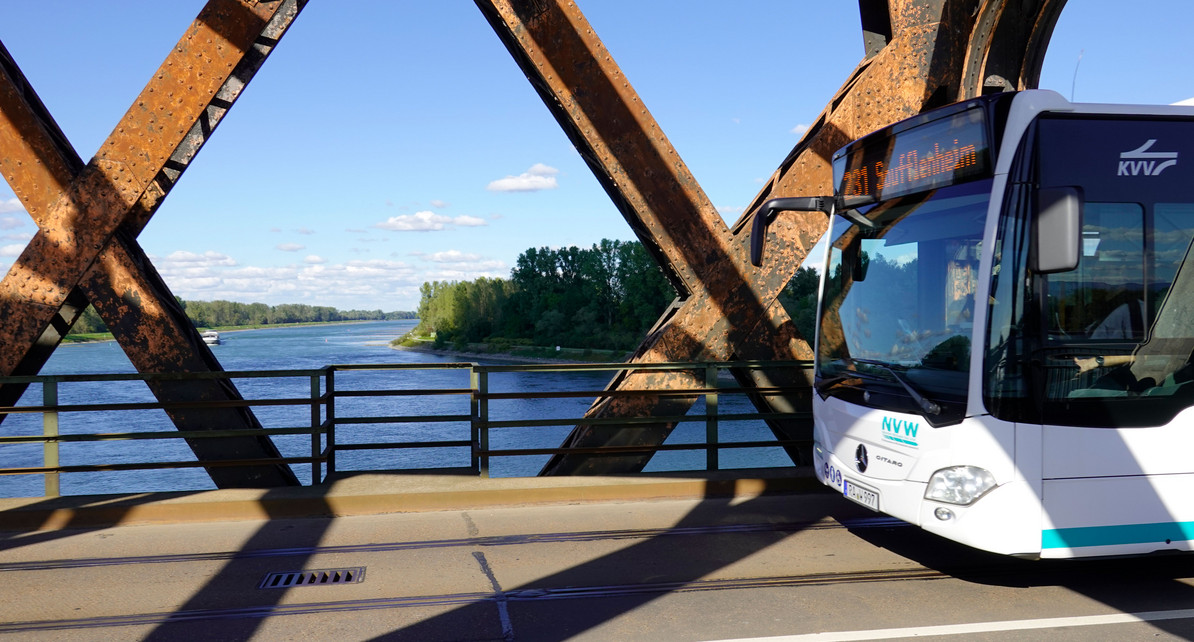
[[112, 183], [31, 157], [76, 254]]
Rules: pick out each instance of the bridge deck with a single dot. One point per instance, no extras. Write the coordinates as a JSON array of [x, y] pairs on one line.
[[642, 558]]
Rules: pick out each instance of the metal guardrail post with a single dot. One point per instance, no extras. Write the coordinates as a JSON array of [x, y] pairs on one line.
[[316, 433], [474, 425], [711, 450], [49, 399], [330, 418], [480, 422]]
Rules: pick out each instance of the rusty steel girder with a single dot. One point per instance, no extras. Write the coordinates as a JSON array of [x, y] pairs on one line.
[[919, 54], [90, 215]]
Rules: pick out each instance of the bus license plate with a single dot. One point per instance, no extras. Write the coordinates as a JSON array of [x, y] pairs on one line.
[[864, 496]]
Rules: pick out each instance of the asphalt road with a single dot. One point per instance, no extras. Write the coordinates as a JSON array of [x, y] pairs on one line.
[[806, 566]]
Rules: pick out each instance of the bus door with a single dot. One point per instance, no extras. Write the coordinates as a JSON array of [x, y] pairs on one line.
[[1115, 372]]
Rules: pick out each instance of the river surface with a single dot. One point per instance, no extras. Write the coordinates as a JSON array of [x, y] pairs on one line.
[[298, 348]]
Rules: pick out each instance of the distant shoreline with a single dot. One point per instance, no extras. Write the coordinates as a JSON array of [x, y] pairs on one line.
[[107, 336], [494, 356]]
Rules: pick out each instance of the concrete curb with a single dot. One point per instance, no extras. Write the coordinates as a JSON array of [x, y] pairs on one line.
[[377, 493]]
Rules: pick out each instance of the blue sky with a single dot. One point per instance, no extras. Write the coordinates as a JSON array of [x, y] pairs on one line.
[[388, 143]]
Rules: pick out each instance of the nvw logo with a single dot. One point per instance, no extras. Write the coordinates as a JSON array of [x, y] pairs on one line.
[[900, 431], [1141, 162]]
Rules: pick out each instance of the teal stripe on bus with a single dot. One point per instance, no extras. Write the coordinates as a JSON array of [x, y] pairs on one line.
[[1161, 532]]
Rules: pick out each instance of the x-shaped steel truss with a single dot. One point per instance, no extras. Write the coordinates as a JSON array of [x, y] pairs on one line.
[[89, 216], [919, 54]]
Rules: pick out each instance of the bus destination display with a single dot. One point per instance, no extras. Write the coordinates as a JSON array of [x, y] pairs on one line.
[[931, 155]]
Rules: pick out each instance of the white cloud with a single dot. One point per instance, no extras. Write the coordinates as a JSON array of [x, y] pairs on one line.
[[457, 263], [190, 259], [730, 211], [12, 250], [10, 222], [304, 230], [538, 177], [450, 256], [469, 221], [11, 205], [357, 283], [19, 236], [427, 221], [800, 129], [290, 247], [465, 274], [439, 205], [362, 284], [195, 285]]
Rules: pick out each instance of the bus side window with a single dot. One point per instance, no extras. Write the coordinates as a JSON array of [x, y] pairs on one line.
[[1103, 298]]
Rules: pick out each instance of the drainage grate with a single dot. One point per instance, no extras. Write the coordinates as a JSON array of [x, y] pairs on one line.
[[319, 577]]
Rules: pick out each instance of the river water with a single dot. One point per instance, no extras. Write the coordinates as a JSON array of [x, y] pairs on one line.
[[297, 348]]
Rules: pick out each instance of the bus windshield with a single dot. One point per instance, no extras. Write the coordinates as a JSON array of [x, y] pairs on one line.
[[898, 302]]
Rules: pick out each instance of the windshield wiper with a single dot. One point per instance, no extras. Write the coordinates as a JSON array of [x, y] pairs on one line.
[[825, 384], [925, 404]]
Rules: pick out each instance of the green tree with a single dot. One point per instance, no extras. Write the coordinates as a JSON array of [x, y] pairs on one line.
[[89, 323], [606, 296]]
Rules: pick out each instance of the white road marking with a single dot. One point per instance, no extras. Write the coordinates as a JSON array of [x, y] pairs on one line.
[[979, 627]]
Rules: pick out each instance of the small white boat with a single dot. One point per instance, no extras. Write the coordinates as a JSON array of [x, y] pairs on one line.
[[211, 338]]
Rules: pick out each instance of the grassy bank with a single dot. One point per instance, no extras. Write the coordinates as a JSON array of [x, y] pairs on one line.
[[506, 350]]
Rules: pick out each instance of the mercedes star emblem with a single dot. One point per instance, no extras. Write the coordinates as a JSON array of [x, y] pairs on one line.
[[860, 458]]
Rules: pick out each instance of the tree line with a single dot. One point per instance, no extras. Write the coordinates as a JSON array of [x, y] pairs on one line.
[[211, 314], [607, 296]]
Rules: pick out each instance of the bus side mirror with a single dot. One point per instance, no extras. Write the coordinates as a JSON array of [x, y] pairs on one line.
[[1057, 230], [768, 211]]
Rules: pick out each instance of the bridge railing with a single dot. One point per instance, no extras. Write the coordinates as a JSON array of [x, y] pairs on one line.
[[92, 409], [711, 385], [472, 415]]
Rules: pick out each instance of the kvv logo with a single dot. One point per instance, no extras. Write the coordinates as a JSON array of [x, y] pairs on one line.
[[1141, 162], [900, 431]]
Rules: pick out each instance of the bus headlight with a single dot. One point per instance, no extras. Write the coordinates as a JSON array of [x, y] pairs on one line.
[[959, 485]]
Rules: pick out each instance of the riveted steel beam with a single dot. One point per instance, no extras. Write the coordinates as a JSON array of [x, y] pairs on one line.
[[88, 217], [916, 53], [654, 190], [39, 164], [1007, 46]]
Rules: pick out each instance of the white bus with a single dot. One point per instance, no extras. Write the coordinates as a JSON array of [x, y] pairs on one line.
[[1006, 322]]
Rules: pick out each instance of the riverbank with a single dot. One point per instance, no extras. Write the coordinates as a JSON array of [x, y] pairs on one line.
[[99, 337], [523, 354]]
